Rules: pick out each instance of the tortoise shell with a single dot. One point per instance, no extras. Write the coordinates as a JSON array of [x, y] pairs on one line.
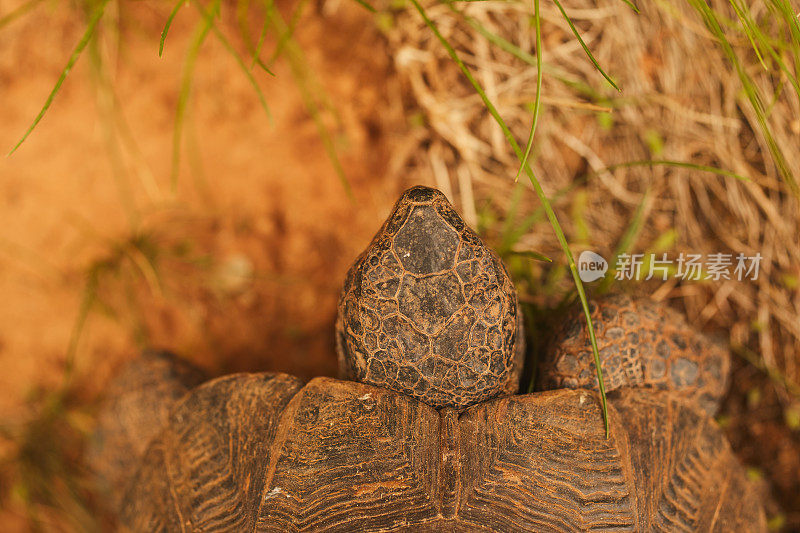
[[143, 395], [264, 452]]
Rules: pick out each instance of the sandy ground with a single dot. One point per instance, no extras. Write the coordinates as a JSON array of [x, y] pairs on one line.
[[240, 268], [267, 208]]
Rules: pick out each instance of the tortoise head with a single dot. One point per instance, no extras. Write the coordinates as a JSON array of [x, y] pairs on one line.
[[429, 311]]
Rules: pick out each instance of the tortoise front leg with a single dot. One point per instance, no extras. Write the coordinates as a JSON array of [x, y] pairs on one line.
[[642, 345]]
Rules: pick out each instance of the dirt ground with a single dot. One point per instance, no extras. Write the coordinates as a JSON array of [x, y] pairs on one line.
[[239, 268], [269, 209]]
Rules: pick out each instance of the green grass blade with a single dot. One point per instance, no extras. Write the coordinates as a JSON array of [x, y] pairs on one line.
[[512, 234], [632, 6], [627, 240], [165, 31], [773, 373], [791, 19], [522, 55], [73, 58], [495, 39], [542, 198], [583, 45], [243, 19], [679, 164], [183, 97], [751, 92], [747, 26], [18, 12], [367, 6], [530, 254], [264, 66], [285, 37], [537, 102], [794, 43], [511, 217], [756, 36], [298, 65], [268, 13], [106, 105], [209, 16], [87, 301]]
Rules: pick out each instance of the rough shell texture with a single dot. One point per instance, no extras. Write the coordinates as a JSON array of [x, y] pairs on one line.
[[260, 452], [641, 344], [138, 405], [429, 310]]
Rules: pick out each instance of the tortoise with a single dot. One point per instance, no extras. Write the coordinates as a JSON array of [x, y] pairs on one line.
[[427, 433]]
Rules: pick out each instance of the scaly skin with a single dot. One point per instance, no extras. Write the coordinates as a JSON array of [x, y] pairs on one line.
[[641, 344], [428, 310]]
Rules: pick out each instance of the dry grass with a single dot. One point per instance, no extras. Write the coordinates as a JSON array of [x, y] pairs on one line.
[[676, 104], [682, 101]]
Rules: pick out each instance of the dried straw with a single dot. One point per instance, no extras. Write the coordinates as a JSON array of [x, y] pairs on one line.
[[681, 101]]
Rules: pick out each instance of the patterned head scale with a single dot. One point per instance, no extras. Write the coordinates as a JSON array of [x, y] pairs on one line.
[[428, 310]]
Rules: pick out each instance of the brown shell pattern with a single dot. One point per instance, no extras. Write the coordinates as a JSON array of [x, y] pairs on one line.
[[139, 403], [260, 452], [430, 324], [428, 310], [641, 344]]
